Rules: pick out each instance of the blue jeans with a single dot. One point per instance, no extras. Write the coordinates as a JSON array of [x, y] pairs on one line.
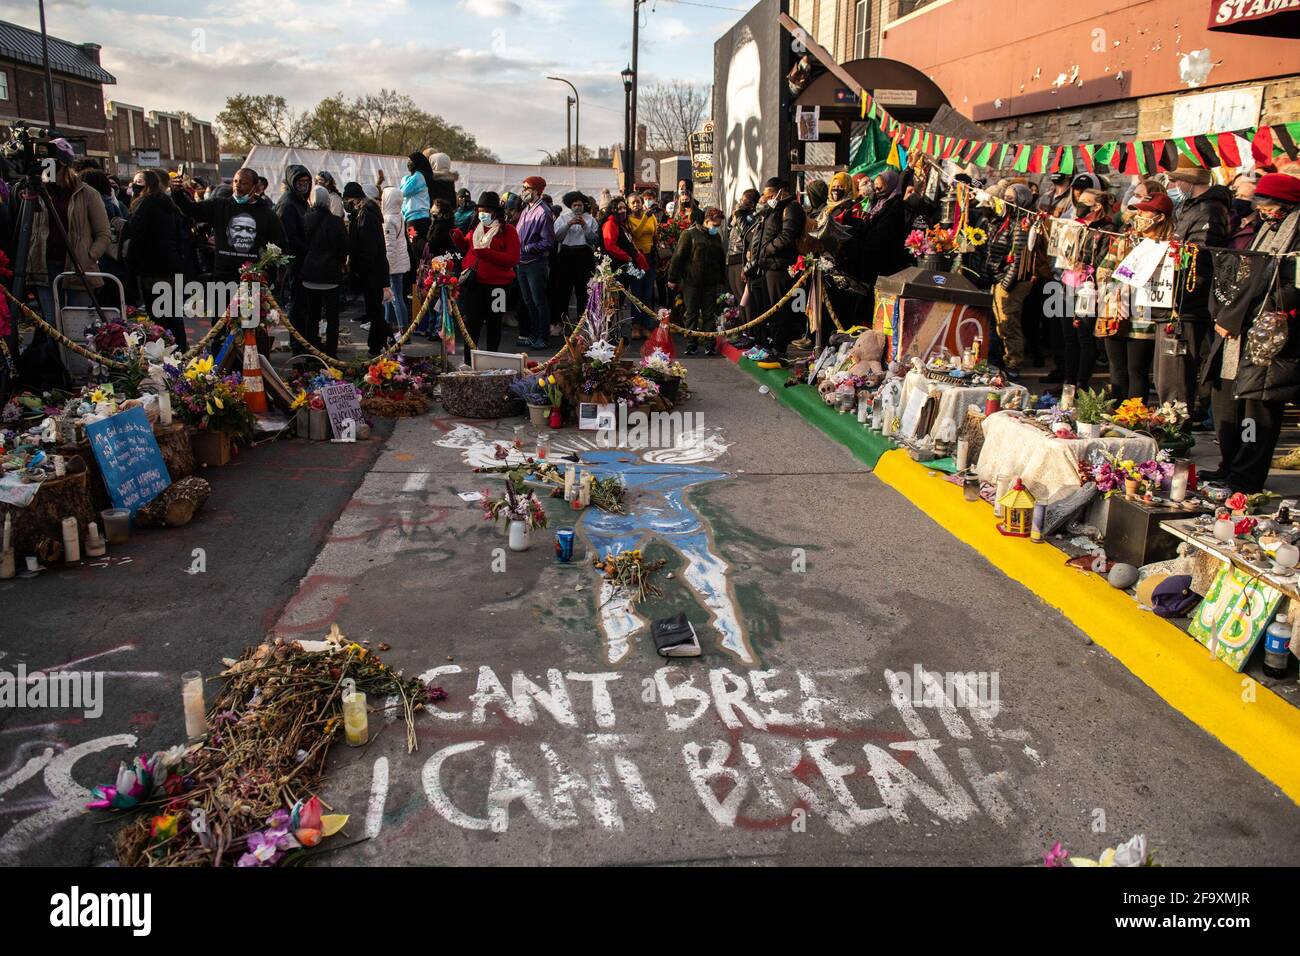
[[644, 289], [532, 286], [395, 313]]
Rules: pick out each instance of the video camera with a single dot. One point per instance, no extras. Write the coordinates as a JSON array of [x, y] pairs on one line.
[[26, 152]]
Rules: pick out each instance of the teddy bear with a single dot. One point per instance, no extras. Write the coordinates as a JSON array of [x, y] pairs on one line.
[[867, 353]]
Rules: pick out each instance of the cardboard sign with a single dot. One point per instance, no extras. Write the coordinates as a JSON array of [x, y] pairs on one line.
[[1234, 614], [342, 406], [129, 459], [1141, 264]]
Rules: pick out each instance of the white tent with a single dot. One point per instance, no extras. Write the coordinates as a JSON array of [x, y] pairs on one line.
[[271, 162]]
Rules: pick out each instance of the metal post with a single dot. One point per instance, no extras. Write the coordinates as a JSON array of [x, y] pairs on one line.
[[49, 78], [636, 78], [568, 127], [577, 113]]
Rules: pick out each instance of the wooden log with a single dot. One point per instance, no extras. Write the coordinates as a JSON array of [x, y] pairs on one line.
[[176, 506], [42, 520]]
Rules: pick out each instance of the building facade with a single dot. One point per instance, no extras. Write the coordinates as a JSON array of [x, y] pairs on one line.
[[140, 138], [78, 88]]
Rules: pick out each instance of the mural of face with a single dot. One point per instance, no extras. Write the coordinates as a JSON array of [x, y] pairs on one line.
[[241, 234], [742, 155]]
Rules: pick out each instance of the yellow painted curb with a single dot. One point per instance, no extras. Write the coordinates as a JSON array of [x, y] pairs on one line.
[[1265, 733]]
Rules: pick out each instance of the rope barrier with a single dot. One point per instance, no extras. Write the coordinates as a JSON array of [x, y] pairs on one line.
[[335, 363], [826, 301], [568, 343], [62, 339], [807, 273]]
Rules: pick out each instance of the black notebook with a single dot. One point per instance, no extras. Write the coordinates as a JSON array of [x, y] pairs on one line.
[[675, 637]]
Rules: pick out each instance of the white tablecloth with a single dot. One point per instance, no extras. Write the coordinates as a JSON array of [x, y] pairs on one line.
[[954, 399], [1049, 466]]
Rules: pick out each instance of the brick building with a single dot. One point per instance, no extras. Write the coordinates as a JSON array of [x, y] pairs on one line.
[[78, 87], [150, 138]]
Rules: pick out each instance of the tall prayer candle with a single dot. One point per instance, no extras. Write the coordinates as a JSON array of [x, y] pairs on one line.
[[196, 721], [71, 541]]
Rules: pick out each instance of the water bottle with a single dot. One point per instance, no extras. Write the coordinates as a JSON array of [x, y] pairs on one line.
[[1276, 651]]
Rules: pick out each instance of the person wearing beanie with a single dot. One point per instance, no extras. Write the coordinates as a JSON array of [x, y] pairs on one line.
[[536, 230], [464, 214], [1248, 291], [491, 254], [322, 273], [372, 191], [368, 261], [398, 257]]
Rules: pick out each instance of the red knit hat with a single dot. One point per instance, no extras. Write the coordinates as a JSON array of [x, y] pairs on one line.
[[536, 183], [1279, 186], [1160, 203]]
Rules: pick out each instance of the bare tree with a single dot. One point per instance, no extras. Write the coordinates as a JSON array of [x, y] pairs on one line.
[[672, 112]]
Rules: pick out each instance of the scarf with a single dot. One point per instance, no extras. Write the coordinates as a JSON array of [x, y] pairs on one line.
[[892, 186], [483, 236]]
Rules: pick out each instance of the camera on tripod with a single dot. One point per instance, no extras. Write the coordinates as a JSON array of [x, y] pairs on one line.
[[28, 153]]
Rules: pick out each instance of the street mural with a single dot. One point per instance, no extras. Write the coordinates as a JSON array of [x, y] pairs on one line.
[[658, 508]]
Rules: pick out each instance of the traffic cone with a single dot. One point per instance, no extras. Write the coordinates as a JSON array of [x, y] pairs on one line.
[[254, 393]]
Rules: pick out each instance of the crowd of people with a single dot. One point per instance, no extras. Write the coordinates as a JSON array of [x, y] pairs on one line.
[[523, 255]]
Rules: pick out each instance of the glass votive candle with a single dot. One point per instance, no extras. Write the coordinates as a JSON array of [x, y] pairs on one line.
[[196, 720]]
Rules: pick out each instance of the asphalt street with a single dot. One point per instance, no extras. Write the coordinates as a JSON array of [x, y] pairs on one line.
[[803, 734]]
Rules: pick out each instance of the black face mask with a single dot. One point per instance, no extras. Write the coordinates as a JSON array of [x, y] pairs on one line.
[[1242, 207]]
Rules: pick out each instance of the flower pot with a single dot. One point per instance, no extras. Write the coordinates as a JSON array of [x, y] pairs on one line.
[[1130, 487], [556, 419], [669, 386], [519, 535], [302, 422], [211, 448], [539, 414], [935, 262], [318, 425], [1089, 429]]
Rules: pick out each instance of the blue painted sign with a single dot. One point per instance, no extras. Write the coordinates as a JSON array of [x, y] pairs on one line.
[[129, 459]]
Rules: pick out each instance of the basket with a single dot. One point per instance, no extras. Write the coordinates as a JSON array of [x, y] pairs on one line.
[[483, 394]]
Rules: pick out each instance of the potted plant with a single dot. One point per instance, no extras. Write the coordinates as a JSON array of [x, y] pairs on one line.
[[1168, 426], [213, 406], [1090, 408], [528, 389], [665, 373]]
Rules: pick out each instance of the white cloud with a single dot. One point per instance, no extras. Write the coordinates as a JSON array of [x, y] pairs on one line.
[[492, 8]]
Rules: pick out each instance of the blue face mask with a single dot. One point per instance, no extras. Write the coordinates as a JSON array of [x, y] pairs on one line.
[[485, 218], [244, 200], [1177, 197], [713, 230]]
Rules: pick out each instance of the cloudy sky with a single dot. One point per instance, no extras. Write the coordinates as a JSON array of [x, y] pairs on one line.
[[479, 63]]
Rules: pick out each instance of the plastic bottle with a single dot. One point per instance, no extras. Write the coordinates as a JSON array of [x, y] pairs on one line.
[[1276, 647]]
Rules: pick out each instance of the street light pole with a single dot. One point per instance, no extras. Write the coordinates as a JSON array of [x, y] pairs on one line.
[[577, 114], [636, 33], [629, 152], [49, 79], [568, 124]]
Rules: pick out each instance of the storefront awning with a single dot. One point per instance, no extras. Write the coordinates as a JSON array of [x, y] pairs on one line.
[[1265, 18]]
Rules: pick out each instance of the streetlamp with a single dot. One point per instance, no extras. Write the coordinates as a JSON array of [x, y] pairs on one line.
[[577, 114], [629, 150]]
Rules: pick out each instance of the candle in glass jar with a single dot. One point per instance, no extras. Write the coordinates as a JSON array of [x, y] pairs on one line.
[[864, 410], [71, 541], [356, 722], [963, 454], [164, 408], [570, 482], [95, 547], [196, 721], [1178, 483]]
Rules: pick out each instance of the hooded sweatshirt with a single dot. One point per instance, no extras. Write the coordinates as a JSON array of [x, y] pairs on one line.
[[292, 210], [415, 188], [399, 257]]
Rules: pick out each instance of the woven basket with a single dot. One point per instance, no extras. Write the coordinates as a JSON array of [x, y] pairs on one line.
[[479, 394]]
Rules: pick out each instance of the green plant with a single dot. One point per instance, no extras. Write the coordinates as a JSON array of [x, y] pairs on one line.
[[1090, 407]]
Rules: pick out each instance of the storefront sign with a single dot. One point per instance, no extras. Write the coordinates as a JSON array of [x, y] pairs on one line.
[[1253, 16], [129, 459], [895, 97], [147, 157]]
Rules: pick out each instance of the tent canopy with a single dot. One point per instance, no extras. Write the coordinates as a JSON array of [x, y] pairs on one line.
[[272, 161]]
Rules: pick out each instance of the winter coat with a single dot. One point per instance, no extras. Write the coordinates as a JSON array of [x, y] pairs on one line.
[[415, 196], [619, 245], [89, 237], [443, 187], [883, 251], [779, 234], [493, 265], [367, 249], [327, 247], [292, 211], [1202, 220], [1279, 381], [740, 222], [699, 259], [153, 238], [398, 253]]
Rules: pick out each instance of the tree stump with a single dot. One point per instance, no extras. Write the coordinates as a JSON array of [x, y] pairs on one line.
[[42, 520], [176, 506], [173, 442]]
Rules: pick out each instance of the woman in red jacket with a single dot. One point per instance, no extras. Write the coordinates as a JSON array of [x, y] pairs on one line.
[[622, 250], [491, 254]]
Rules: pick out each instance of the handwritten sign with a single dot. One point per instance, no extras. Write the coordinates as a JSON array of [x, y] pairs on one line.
[[129, 459], [341, 405]]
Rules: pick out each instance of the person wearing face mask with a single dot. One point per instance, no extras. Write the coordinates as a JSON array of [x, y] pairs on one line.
[[291, 209], [368, 262], [322, 274], [884, 227], [782, 226], [644, 227], [699, 269], [687, 207], [536, 227], [742, 217], [1243, 220], [1133, 331], [1008, 271], [242, 241], [1253, 290], [491, 254], [398, 256], [154, 252], [575, 231]]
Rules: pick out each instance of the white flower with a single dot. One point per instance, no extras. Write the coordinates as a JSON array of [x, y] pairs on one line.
[[1132, 853], [171, 757], [601, 351], [270, 249]]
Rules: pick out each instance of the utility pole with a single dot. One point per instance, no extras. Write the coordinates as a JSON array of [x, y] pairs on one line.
[[577, 114], [636, 78], [568, 127], [49, 79]]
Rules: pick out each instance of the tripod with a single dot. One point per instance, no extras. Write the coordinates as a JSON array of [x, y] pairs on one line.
[[31, 189]]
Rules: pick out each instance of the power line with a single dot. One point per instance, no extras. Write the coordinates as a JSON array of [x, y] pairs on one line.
[[707, 6]]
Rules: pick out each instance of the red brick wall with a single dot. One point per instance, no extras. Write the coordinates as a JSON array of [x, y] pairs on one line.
[[83, 104]]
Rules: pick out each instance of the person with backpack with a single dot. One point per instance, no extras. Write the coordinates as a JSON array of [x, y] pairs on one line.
[[322, 273]]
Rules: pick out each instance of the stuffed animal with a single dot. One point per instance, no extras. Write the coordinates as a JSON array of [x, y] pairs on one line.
[[867, 353]]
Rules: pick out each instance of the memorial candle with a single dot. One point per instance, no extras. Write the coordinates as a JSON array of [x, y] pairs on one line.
[[196, 721]]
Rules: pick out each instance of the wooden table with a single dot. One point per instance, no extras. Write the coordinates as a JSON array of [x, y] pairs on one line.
[[1185, 530]]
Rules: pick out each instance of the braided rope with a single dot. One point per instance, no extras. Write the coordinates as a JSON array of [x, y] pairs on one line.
[[62, 339], [353, 366], [721, 332], [568, 343], [826, 301]]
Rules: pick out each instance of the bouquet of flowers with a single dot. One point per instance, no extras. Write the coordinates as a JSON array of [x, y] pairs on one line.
[[669, 232], [396, 388], [137, 342], [209, 401], [797, 269], [1132, 413], [1166, 423], [517, 504], [643, 390], [441, 271], [658, 367]]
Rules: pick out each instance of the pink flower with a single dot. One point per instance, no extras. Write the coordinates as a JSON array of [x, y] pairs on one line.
[[1056, 856]]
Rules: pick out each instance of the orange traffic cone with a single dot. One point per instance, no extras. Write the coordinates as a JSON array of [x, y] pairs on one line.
[[254, 393]]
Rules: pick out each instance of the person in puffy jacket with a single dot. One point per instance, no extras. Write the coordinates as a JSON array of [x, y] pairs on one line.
[[396, 315], [699, 267], [491, 256], [781, 225], [417, 193], [321, 273], [1007, 268]]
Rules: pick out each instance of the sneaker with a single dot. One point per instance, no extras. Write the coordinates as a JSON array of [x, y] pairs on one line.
[[1012, 374], [523, 340], [692, 348], [539, 344], [742, 342], [803, 343], [1290, 461]]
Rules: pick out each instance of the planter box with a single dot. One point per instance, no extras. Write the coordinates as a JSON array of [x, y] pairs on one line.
[[211, 448]]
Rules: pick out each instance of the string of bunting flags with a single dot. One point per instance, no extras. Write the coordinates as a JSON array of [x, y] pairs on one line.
[[1133, 157]]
